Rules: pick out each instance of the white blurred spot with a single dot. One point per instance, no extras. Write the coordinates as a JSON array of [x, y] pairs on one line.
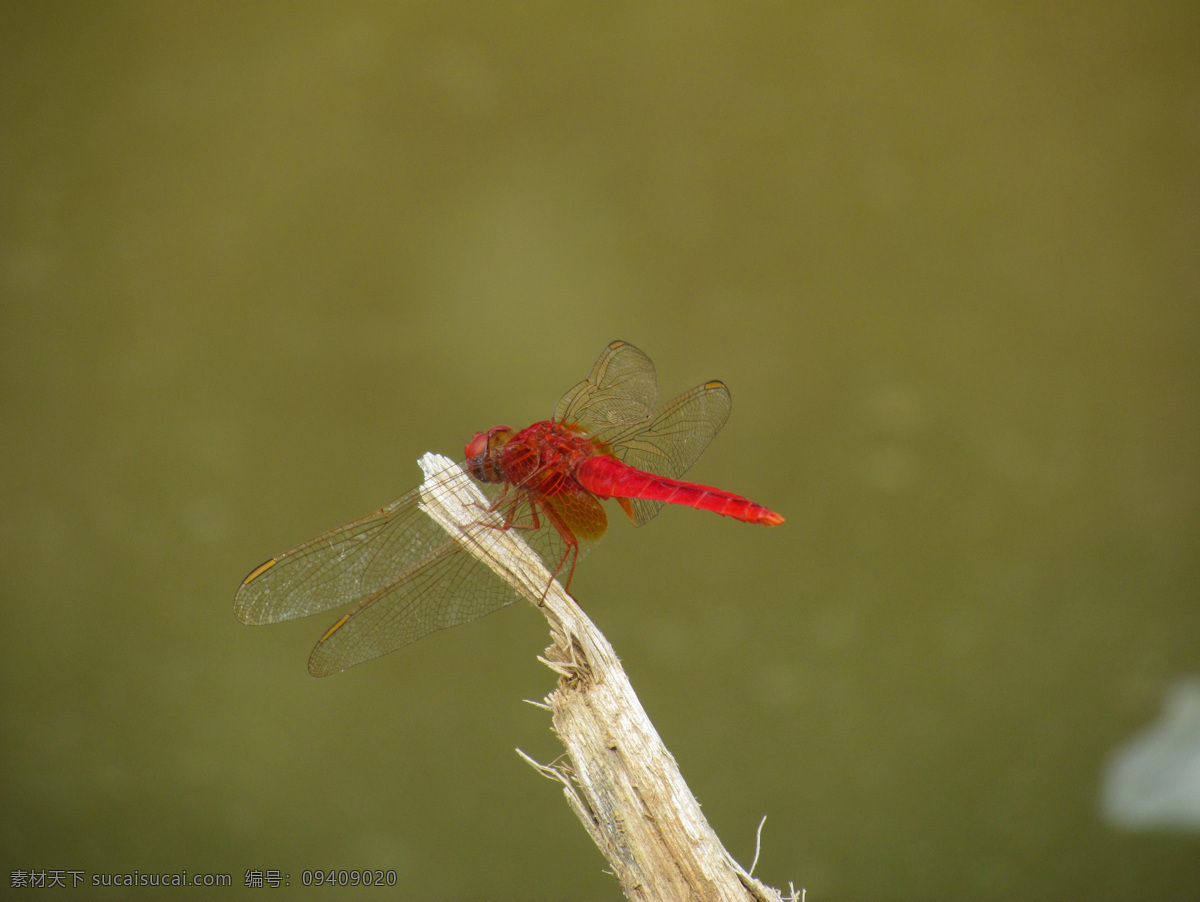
[[1153, 781]]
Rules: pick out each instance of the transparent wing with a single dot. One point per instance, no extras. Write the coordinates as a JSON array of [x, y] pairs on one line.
[[339, 566], [447, 589], [620, 389], [670, 441], [406, 575]]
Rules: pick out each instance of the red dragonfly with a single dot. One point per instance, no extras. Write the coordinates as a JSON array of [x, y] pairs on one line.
[[408, 577]]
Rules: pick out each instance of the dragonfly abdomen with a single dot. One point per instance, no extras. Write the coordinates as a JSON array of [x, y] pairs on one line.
[[609, 478]]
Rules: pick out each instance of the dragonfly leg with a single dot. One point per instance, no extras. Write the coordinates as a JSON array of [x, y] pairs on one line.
[[572, 549], [569, 540], [510, 517]]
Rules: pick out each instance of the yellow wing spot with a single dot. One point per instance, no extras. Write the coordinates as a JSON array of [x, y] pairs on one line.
[[259, 571], [333, 629], [716, 383]]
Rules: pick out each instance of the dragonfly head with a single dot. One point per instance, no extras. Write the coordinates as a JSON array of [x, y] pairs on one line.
[[481, 463]]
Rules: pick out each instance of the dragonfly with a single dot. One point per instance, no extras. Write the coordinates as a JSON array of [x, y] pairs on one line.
[[407, 577]]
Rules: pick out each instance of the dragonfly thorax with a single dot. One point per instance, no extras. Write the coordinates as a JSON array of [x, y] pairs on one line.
[[545, 450]]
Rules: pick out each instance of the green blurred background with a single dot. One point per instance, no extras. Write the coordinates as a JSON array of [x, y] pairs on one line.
[[256, 258]]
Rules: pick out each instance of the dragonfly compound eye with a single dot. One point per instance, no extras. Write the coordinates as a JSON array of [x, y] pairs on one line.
[[480, 449]]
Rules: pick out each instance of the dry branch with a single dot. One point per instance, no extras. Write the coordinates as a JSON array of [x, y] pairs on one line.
[[619, 778]]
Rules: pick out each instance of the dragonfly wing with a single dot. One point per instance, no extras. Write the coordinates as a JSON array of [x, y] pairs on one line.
[[620, 389], [449, 588], [344, 565], [668, 443], [581, 512]]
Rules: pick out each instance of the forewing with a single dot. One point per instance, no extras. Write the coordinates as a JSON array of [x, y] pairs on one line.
[[340, 566], [668, 443], [445, 590], [408, 577], [343, 565], [621, 389]]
